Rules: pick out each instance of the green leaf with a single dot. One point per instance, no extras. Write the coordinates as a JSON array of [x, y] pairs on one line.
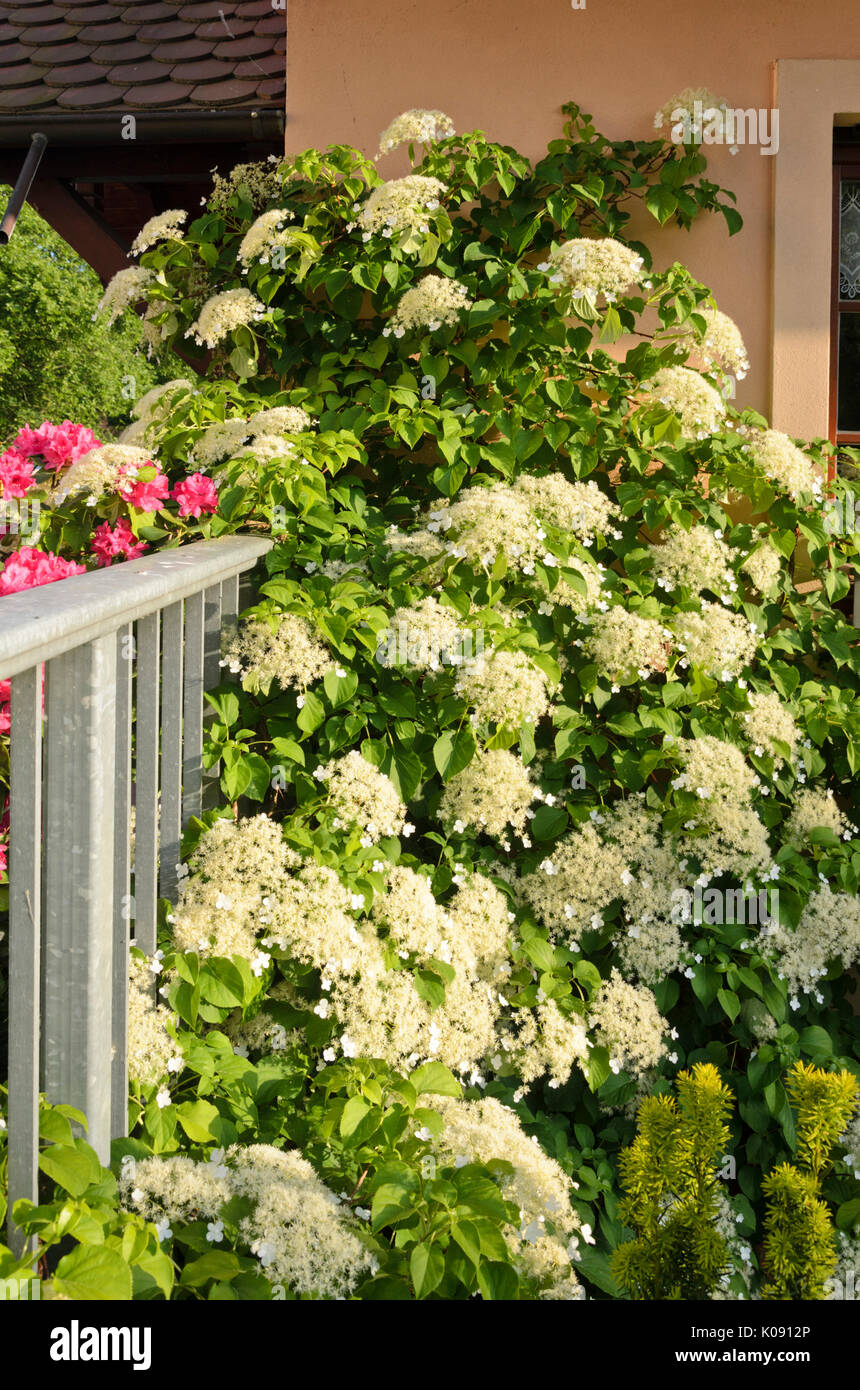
[[72, 1166], [848, 1215], [312, 713], [816, 1042], [661, 202], [94, 1272], [498, 1282], [452, 752], [340, 689], [594, 1265], [426, 1268], [196, 1118], [354, 1112], [730, 1003], [429, 987], [215, 1264], [436, 1079]]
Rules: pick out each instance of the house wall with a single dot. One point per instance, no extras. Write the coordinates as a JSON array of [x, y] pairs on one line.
[[506, 67]]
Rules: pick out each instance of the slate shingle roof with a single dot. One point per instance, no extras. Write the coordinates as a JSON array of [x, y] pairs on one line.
[[67, 57]]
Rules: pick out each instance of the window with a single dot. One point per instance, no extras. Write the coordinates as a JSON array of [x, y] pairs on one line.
[[845, 291]]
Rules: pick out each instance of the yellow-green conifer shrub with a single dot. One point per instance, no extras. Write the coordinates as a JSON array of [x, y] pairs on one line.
[[669, 1176], [799, 1241]]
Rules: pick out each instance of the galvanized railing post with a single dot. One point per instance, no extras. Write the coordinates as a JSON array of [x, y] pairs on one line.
[[80, 739]]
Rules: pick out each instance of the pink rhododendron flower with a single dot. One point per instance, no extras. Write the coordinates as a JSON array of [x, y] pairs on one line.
[[16, 474], [5, 706], [57, 444], [196, 494], [28, 568], [146, 495], [4, 839], [107, 543]]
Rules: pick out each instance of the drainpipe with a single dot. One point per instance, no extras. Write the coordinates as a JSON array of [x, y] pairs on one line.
[[22, 187]]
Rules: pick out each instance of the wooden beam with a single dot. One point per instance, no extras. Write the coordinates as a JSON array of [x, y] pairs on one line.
[[80, 226]]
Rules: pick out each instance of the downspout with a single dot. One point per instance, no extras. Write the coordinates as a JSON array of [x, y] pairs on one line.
[[22, 187]]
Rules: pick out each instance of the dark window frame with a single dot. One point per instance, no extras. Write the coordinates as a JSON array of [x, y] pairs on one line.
[[846, 165]]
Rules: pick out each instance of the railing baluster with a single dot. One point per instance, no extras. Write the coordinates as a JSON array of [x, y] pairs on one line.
[[211, 677], [192, 772], [25, 853], [146, 786], [80, 736], [171, 747], [122, 904]]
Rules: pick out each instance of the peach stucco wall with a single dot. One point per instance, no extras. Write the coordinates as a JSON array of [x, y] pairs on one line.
[[506, 66]]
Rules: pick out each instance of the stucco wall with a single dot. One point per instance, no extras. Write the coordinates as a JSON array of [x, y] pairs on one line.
[[506, 66]]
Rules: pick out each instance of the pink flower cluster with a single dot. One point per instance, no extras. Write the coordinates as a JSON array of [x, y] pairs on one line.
[[27, 568], [5, 709], [57, 444], [196, 494], [146, 494], [16, 474], [107, 543]]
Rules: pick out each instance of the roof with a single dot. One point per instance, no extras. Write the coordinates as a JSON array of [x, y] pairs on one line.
[[69, 61]]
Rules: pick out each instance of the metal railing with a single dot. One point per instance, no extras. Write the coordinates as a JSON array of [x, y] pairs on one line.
[[134, 645]]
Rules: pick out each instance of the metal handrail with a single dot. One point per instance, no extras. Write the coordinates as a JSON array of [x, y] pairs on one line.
[[90, 658]]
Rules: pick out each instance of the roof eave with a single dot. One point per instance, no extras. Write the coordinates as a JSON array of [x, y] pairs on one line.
[[81, 128]]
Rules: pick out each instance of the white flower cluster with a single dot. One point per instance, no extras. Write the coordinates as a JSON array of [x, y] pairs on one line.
[[226, 438], [828, 930], [618, 854], [591, 266], [258, 181], [125, 288], [722, 345], [166, 226], [363, 796], [150, 1047], [269, 231], [692, 108], [236, 866], [401, 205], [727, 835], [550, 1043], [783, 463], [300, 1231], [483, 521], [425, 635], [764, 567], [504, 688], [767, 722], [696, 559], [698, 405], [280, 419], [283, 649], [625, 646], [99, 470], [815, 808], [627, 1022], [719, 641], [436, 301], [222, 314], [480, 1131], [417, 127], [714, 769], [495, 791]]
